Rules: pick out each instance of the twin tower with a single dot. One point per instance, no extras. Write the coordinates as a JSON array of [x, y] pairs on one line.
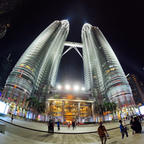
[[36, 71]]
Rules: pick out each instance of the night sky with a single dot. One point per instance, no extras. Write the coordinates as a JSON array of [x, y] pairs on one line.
[[121, 23]]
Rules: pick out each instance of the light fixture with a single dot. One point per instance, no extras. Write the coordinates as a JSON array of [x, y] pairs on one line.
[[76, 87], [59, 87], [67, 87], [83, 88]]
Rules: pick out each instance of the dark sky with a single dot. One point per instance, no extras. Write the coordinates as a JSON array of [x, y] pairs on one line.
[[120, 21]]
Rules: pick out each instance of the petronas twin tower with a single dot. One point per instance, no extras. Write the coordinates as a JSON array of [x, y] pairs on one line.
[[36, 71]]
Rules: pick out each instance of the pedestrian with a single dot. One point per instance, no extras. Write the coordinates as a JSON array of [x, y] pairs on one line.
[[68, 124], [132, 125], [137, 125], [73, 124], [123, 129], [78, 123], [58, 125], [51, 125], [102, 132], [12, 117]]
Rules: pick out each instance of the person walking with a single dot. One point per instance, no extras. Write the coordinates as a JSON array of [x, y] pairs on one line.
[[123, 129], [132, 125], [102, 132], [78, 123], [51, 125], [73, 124], [58, 125], [12, 117], [137, 125], [68, 124]]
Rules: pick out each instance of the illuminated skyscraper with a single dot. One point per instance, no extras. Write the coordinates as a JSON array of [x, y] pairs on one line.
[[39, 63], [137, 88], [36, 71], [103, 72]]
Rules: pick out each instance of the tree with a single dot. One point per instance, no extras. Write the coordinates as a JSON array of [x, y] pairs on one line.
[[110, 106], [36, 106], [99, 110], [114, 107], [40, 107], [32, 102]]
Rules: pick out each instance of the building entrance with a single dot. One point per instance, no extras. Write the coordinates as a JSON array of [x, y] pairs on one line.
[[68, 110]]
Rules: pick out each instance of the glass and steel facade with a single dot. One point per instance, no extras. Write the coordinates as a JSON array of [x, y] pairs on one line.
[[38, 66], [36, 71], [103, 72]]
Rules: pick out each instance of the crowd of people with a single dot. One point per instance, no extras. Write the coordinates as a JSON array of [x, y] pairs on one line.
[[51, 124], [135, 124]]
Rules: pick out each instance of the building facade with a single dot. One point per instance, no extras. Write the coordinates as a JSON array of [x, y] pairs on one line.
[[137, 89], [103, 72], [37, 68], [36, 71]]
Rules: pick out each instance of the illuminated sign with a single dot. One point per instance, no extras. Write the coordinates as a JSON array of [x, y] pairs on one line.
[[4, 107]]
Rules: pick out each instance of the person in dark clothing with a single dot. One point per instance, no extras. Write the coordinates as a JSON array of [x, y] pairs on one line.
[[51, 125], [12, 117], [137, 125], [123, 129], [132, 125], [73, 124], [102, 132]]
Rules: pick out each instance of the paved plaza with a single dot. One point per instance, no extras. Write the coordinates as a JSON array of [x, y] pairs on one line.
[[19, 135], [64, 129]]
